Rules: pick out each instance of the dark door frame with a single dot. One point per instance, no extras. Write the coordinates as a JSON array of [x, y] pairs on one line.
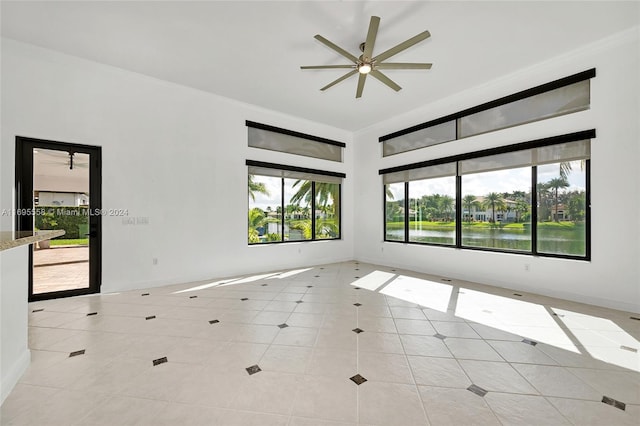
[[24, 200]]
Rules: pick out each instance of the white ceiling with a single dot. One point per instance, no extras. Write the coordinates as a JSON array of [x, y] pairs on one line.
[[51, 171], [251, 51]]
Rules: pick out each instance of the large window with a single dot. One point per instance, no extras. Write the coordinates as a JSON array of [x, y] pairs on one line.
[[525, 198], [265, 209], [327, 212], [561, 198], [394, 211], [297, 209], [432, 210], [564, 96], [497, 209], [292, 204]]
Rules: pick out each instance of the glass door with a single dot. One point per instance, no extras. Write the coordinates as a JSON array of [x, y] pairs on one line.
[[57, 185]]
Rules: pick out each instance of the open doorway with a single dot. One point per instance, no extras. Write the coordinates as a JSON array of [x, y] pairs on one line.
[[58, 186]]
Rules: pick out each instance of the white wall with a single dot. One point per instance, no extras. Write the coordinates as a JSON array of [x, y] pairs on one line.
[[159, 139], [14, 353], [612, 277]]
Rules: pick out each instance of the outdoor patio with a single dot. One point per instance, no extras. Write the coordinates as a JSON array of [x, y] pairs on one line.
[[60, 268]]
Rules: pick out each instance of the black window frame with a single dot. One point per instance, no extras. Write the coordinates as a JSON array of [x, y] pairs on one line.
[[262, 164], [555, 140]]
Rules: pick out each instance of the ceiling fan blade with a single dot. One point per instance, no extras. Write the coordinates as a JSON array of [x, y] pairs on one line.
[[371, 37], [402, 46], [403, 66], [337, 48], [386, 80], [344, 77], [361, 80], [325, 67]]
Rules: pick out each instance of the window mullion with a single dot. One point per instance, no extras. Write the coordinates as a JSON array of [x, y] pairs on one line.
[[459, 208], [313, 210], [534, 210], [406, 212], [282, 211]]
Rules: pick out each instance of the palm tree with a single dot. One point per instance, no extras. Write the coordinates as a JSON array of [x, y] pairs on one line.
[[446, 206], [566, 168], [509, 209], [556, 184], [493, 200], [387, 191], [257, 219], [258, 187], [325, 193], [543, 192], [469, 201], [521, 207]]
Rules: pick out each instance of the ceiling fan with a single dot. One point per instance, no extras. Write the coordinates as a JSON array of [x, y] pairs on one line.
[[63, 158], [367, 64]]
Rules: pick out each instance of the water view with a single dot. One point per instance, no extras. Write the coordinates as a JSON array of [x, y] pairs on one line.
[[569, 240]]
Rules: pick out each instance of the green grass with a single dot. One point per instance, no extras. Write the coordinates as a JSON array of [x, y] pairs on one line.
[[71, 242], [559, 225], [514, 226]]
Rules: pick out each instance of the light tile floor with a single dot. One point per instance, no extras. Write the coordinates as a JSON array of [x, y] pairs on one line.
[[426, 341]]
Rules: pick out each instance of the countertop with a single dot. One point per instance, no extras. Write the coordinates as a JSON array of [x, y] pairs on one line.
[[11, 239]]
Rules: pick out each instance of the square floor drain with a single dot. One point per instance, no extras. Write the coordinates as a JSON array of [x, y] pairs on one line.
[[244, 299], [357, 304], [144, 294], [192, 297], [614, 403], [76, 353], [214, 322], [253, 369], [299, 301], [529, 342], [477, 390], [160, 361], [357, 330], [440, 336], [150, 317], [358, 379], [283, 325]]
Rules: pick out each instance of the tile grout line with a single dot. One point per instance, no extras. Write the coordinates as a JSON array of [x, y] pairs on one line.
[[406, 358]]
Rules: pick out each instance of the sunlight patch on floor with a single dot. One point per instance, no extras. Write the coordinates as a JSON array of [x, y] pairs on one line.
[[526, 319], [205, 286], [289, 273], [373, 280], [602, 338], [427, 293]]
